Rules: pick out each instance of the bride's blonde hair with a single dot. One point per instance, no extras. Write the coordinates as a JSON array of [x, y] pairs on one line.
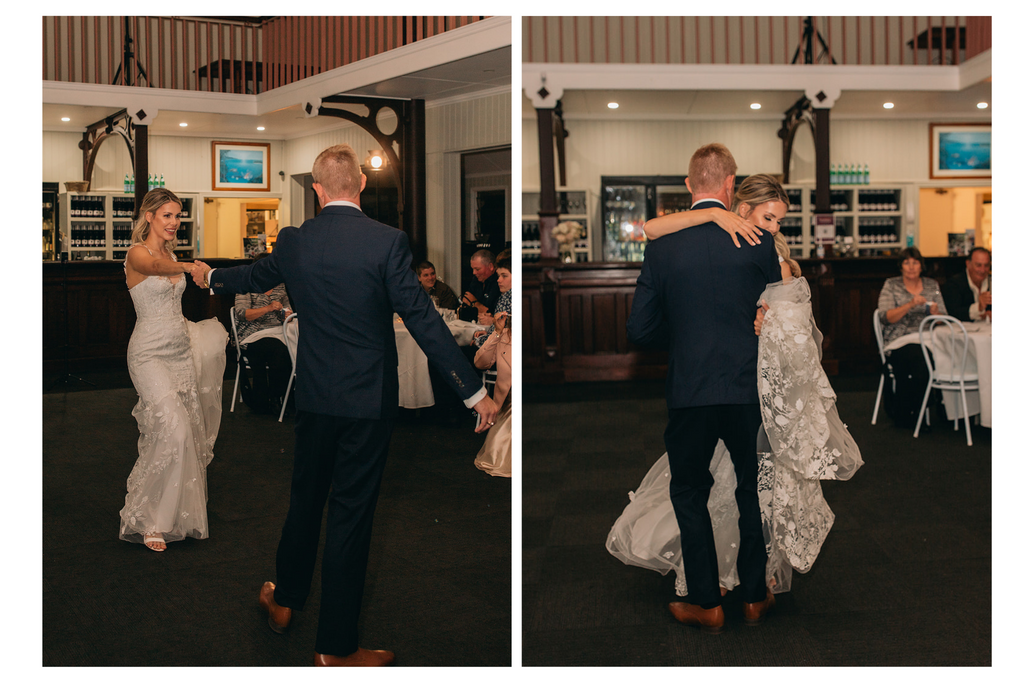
[[152, 202], [756, 190]]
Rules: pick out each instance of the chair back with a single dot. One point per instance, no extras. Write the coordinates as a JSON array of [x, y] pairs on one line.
[[291, 336], [234, 334], [876, 320], [930, 328]]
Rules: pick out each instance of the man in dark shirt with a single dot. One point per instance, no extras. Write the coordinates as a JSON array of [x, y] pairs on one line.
[[483, 290], [968, 295], [427, 276]]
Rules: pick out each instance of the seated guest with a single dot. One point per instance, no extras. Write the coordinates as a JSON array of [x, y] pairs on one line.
[[968, 295], [483, 290], [905, 301], [260, 317], [427, 275], [503, 271], [495, 456]]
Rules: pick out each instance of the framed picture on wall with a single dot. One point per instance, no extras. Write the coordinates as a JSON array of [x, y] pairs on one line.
[[961, 150], [241, 166]]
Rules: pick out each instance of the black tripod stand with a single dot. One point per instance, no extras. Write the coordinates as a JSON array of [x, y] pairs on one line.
[[127, 59], [807, 44], [67, 378]]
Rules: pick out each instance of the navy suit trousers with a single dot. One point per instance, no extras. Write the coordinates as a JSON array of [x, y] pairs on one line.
[[690, 439], [338, 461]]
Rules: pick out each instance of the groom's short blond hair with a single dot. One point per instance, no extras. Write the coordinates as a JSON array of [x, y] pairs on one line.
[[337, 171], [709, 167]]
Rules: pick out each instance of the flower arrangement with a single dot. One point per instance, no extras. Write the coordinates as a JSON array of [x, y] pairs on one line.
[[567, 232]]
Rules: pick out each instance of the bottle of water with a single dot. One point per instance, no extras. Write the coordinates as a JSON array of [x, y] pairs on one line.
[[161, 181], [867, 175], [131, 185], [126, 183]]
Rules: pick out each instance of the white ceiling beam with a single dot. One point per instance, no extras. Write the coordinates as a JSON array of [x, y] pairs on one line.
[[748, 77]]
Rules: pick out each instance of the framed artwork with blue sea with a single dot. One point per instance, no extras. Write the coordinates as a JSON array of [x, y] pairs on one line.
[[241, 166], [960, 150]]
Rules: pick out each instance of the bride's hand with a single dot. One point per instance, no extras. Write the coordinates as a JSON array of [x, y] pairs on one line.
[[735, 225], [759, 318]]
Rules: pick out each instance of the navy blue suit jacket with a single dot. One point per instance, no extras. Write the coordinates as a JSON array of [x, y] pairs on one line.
[[346, 274], [699, 293]]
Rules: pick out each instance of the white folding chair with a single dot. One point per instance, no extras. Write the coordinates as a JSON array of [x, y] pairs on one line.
[[291, 340], [886, 367], [239, 357], [956, 378], [489, 377]]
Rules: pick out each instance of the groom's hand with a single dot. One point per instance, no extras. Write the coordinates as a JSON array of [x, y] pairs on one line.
[[199, 271], [488, 411]]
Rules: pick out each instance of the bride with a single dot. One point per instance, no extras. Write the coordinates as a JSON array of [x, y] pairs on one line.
[[804, 440], [177, 367]]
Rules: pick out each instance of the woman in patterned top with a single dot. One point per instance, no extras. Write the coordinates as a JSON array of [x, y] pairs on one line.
[[260, 318], [904, 302]]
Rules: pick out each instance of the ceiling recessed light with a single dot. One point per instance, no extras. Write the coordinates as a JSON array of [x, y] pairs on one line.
[[183, 124], [65, 118], [260, 128], [755, 105], [613, 105], [983, 105], [888, 105]]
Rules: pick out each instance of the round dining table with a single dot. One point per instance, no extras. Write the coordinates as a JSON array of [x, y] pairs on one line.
[[979, 364], [414, 388]]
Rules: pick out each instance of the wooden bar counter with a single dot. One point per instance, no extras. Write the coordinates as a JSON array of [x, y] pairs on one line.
[[573, 317], [101, 315]]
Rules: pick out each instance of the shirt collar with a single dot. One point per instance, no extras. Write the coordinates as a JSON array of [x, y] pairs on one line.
[[711, 199], [342, 203]]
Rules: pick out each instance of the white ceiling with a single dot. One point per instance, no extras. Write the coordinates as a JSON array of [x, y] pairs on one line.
[[735, 104], [477, 74]]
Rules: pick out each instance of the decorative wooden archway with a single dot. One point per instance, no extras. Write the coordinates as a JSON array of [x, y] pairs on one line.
[[119, 124]]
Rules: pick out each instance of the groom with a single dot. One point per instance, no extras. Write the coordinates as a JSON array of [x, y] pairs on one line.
[[700, 292], [345, 275]]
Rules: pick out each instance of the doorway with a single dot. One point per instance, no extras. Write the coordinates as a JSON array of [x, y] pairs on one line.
[[486, 181], [954, 219], [239, 227]]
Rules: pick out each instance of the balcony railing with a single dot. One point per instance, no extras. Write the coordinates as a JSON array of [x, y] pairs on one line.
[[756, 40], [192, 53]]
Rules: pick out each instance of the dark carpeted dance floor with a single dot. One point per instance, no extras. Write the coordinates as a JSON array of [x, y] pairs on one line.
[[438, 590], [904, 577]]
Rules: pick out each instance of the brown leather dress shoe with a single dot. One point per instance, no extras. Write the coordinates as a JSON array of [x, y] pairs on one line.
[[361, 658], [753, 613], [278, 617], [710, 620]]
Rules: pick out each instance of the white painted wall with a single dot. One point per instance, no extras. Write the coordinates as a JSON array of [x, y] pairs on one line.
[[452, 128], [896, 151]]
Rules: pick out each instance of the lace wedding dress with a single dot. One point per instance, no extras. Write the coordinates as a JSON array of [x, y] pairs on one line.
[[177, 367], [808, 443]]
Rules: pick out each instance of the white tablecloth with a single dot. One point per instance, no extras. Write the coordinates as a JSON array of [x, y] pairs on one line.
[[979, 362], [414, 389]]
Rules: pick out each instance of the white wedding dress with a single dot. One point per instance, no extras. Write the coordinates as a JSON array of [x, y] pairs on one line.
[[808, 443], [177, 367]]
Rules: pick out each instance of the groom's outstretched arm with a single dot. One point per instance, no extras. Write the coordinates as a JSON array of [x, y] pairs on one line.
[[646, 325], [258, 276]]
